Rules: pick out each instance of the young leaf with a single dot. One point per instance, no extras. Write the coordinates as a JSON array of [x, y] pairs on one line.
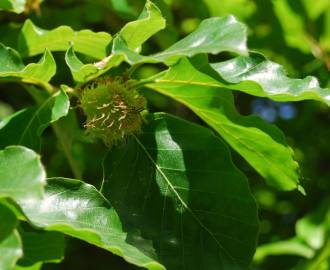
[[12, 68], [213, 35], [22, 176], [157, 184], [149, 23], [33, 40], [261, 144], [255, 75], [80, 71], [10, 251], [26, 126], [79, 210]]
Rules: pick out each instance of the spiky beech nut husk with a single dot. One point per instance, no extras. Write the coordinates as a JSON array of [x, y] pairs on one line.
[[112, 109]]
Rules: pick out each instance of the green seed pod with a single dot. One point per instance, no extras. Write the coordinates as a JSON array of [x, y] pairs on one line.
[[112, 109]]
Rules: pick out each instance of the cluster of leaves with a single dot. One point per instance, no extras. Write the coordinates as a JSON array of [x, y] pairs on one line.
[[204, 215]]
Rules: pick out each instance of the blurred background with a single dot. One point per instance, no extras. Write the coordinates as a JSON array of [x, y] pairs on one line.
[[295, 229]]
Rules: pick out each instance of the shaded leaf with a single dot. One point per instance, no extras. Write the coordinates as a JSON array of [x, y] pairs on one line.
[[33, 40], [22, 176], [261, 144], [8, 221], [36, 266], [42, 247], [255, 75], [193, 214], [26, 126]]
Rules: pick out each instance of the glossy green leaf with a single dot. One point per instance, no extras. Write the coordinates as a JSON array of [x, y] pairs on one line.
[[10, 251], [261, 144], [255, 75], [22, 176], [12, 67], [16, 6], [192, 211], [150, 21], [26, 126], [79, 210], [213, 35], [42, 247], [33, 40]]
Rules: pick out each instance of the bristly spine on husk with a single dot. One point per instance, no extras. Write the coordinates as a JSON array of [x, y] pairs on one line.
[[112, 108]]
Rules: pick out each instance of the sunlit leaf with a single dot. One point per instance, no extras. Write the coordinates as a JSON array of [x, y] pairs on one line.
[[33, 40], [213, 35], [261, 144], [12, 67], [150, 21], [79, 210], [255, 75], [10, 251], [16, 6], [22, 176]]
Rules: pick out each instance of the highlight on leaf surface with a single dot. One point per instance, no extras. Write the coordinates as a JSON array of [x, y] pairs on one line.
[[112, 108]]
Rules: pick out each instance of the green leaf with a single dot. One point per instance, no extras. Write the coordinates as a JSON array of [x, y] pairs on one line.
[[79, 210], [85, 72], [42, 247], [33, 40], [261, 144], [315, 8], [22, 176], [10, 251], [192, 211], [293, 26], [255, 75], [80, 71], [150, 21], [8, 221], [16, 6], [293, 246], [313, 228], [213, 35], [26, 126], [36, 266], [12, 68]]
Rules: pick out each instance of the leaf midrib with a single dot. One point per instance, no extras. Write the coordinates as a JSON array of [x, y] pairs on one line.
[[169, 184]]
